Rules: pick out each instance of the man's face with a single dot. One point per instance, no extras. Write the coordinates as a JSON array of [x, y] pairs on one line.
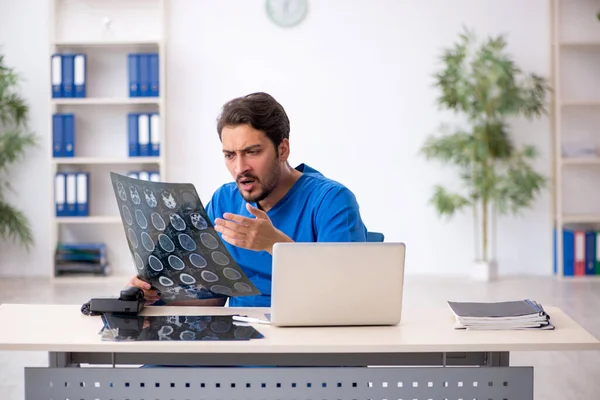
[[252, 161]]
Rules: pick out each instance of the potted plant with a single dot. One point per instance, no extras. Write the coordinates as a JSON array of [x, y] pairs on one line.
[[480, 81], [14, 140]]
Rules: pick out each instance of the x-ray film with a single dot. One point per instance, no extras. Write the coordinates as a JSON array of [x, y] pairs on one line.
[[178, 328], [173, 243]]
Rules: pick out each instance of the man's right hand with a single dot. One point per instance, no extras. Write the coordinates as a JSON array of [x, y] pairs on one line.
[[150, 295]]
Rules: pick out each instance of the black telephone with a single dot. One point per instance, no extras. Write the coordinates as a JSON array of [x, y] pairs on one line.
[[130, 302]]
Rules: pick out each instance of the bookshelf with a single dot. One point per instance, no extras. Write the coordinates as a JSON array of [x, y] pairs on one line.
[[575, 61], [106, 31]]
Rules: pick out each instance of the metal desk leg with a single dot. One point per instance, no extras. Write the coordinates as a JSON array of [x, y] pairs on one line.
[[497, 359], [60, 360]]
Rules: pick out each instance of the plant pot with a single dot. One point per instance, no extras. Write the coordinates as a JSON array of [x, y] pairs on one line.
[[484, 271]]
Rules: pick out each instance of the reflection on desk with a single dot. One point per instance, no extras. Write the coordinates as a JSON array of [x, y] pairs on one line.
[[176, 327]]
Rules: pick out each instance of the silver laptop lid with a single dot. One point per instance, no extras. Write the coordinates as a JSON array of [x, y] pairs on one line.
[[327, 284]]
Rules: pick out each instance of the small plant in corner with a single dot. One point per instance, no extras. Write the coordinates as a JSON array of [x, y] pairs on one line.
[[480, 81], [15, 138]]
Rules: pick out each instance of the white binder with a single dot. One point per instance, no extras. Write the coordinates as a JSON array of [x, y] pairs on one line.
[[144, 134], [154, 177], [71, 194], [56, 75], [59, 194], [82, 194], [144, 176]]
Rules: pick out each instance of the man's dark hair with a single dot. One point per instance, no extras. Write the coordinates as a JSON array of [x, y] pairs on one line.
[[261, 111]]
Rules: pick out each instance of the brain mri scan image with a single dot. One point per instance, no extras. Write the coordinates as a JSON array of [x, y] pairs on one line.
[[173, 243], [179, 328]]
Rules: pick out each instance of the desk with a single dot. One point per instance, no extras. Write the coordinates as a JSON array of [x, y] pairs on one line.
[[423, 357]]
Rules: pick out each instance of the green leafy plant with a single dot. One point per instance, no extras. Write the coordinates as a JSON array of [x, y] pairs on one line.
[[14, 140], [481, 82]]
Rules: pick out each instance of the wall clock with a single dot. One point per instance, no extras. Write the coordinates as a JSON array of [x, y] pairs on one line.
[[287, 12]]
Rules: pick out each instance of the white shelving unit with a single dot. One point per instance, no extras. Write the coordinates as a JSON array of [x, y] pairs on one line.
[[106, 31], [576, 118]]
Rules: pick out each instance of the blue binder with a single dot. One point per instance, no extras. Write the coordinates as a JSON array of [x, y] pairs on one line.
[[80, 74], [590, 253], [60, 194], [58, 136], [71, 197], [133, 61], [144, 75], [132, 133], [143, 175], [56, 76], [569, 252], [154, 75], [154, 134], [68, 75], [83, 194], [144, 134], [69, 135]]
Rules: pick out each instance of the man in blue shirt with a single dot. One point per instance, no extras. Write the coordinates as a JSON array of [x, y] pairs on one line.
[[269, 201]]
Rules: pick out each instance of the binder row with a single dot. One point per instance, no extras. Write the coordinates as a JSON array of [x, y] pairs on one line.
[[143, 74], [152, 176], [581, 252], [143, 130], [63, 135], [71, 194], [68, 75]]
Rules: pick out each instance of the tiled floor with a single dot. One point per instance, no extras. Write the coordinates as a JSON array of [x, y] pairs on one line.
[[558, 375]]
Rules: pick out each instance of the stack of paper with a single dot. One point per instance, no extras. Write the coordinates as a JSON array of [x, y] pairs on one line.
[[522, 314]]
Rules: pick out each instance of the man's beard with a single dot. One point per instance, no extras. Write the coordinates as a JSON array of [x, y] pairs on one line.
[[263, 187]]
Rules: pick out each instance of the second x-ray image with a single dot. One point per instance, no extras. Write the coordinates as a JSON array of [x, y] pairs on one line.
[[178, 328], [173, 243]]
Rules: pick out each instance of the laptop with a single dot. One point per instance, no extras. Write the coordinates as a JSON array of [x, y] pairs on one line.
[[337, 284]]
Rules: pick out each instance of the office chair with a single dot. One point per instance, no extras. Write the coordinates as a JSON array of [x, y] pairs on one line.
[[375, 237]]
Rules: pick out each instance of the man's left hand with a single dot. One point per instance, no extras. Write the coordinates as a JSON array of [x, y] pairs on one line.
[[250, 233]]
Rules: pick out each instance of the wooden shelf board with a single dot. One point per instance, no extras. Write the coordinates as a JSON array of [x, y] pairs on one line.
[[106, 43], [75, 279], [106, 160], [582, 43], [106, 219], [97, 101], [580, 218], [581, 161], [580, 103]]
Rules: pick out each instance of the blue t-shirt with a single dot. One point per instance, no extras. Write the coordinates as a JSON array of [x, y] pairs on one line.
[[315, 209]]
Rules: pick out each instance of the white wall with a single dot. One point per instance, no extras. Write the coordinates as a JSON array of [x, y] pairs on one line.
[[355, 77], [24, 42]]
